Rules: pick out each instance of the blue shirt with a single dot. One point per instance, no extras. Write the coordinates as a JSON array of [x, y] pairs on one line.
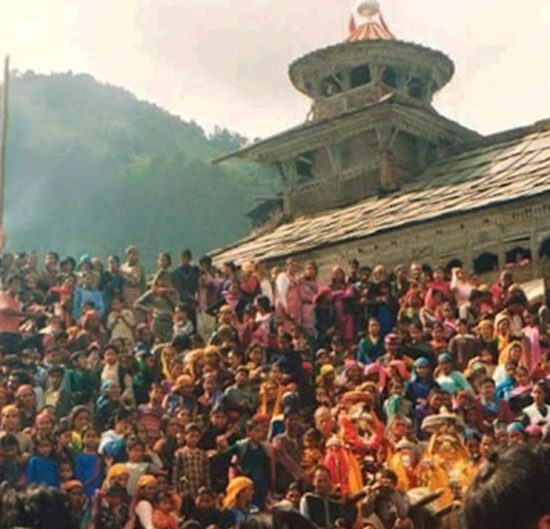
[[42, 471], [87, 295], [88, 469]]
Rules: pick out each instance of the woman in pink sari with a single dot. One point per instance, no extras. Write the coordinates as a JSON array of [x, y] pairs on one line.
[[309, 288], [343, 295], [288, 304]]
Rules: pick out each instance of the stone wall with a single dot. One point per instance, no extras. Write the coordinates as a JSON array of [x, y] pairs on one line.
[[496, 230]]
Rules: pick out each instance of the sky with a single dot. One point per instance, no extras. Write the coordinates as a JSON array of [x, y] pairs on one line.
[[225, 62]]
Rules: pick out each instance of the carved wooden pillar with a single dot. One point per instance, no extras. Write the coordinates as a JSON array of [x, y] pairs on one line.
[[386, 172], [335, 155], [346, 80], [376, 71], [386, 134]]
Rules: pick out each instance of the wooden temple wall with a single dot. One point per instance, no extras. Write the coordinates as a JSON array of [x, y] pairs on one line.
[[496, 230]]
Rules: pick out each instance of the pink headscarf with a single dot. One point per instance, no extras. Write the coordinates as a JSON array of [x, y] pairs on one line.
[[380, 370], [401, 367]]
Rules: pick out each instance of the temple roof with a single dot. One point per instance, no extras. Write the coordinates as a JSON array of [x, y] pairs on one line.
[[268, 150], [503, 168], [371, 31]]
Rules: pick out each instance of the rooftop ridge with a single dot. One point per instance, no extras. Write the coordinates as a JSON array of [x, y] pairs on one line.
[[495, 138]]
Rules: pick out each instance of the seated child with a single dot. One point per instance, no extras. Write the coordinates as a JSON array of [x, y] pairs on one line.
[[163, 512]]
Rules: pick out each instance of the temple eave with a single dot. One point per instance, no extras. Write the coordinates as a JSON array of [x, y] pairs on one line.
[[313, 133]]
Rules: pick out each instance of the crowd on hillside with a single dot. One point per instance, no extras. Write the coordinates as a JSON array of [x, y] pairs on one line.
[[195, 397]]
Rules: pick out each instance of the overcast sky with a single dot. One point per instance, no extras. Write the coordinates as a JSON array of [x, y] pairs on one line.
[[225, 61]]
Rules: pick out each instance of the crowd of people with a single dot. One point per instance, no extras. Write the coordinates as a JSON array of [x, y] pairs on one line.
[[200, 396]]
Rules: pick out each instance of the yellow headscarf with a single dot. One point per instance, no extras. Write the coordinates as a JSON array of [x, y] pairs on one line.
[[166, 366], [442, 471], [146, 480], [327, 369], [234, 489], [503, 341], [485, 323], [212, 350], [191, 361], [117, 470], [182, 380], [505, 355], [264, 406]]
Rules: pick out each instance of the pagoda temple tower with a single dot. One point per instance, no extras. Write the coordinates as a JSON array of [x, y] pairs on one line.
[[378, 175], [372, 126]]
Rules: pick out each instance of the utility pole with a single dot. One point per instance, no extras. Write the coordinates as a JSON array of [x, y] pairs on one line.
[[3, 146]]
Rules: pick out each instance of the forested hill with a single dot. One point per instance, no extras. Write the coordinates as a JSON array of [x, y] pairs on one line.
[[91, 169]]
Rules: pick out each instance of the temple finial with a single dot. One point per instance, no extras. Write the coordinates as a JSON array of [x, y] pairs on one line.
[[372, 25]]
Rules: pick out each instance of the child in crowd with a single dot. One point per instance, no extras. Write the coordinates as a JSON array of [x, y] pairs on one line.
[[192, 465], [183, 326], [163, 512], [121, 321], [253, 459], [116, 375], [404, 370], [42, 467], [141, 461], [151, 414], [12, 468], [89, 466]]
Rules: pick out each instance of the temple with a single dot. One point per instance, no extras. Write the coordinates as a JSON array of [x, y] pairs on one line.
[[377, 174]]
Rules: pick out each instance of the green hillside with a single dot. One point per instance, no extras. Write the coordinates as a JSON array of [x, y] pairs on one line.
[[91, 169]]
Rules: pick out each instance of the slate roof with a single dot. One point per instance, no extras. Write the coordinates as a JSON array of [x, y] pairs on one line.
[[502, 168]]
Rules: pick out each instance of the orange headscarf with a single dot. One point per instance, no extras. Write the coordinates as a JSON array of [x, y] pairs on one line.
[[234, 489], [117, 470], [505, 355], [192, 360], [165, 364], [264, 405]]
